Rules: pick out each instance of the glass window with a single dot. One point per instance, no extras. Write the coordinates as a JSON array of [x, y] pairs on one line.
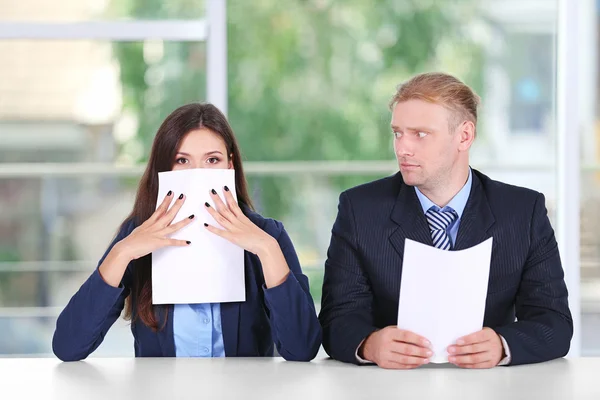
[[96, 10], [308, 88], [80, 103]]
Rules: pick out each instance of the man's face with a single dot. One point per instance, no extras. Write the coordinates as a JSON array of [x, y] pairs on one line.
[[425, 149]]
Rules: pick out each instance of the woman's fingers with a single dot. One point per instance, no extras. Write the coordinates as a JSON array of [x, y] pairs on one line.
[[167, 218], [176, 242], [162, 208], [226, 213], [221, 207], [221, 214], [179, 225], [219, 232], [220, 219], [231, 203]]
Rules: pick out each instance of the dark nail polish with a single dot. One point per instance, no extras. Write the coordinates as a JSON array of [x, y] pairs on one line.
[[191, 216], [170, 193], [206, 204], [213, 191], [188, 242], [181, 196], [226, 189], [205, 224]]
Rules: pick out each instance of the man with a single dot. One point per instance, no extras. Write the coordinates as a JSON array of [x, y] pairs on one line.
[[437, 199]]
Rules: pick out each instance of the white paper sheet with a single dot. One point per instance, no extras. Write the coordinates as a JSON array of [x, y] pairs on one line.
[[211, 269], [443, 293]]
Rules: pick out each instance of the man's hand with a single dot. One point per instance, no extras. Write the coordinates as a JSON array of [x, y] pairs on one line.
[[482, 349], [394, 348]]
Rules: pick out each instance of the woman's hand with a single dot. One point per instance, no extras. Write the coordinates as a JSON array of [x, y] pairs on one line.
[[149, 236], [237, 228], [154, 233]]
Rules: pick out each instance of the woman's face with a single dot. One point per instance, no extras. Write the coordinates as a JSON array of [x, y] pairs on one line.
[[202, 148]]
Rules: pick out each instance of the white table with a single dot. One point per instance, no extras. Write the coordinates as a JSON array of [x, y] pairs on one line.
[[274, 378]]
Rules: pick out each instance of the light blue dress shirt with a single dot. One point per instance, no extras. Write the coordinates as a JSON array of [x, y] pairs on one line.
[[457, 204], [197, 330]]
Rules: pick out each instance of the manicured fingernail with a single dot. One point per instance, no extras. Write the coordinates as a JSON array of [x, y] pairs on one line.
[[451, 350], [205, 224], [427, 343], [213, 191], [191, 216], [429, 353], [451, 359], [460, 342], [181, 196], [170, 193], [188, 242], [426, 361], [226, 189], [206, 204]]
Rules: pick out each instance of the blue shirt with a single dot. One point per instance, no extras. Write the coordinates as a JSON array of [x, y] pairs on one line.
[[458, 203], [197, 330]]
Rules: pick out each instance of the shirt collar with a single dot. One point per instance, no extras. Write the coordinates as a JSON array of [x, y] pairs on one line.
[[458, 202]]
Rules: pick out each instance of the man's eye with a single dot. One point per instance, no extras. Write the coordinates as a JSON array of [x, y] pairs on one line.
[[422, 134]]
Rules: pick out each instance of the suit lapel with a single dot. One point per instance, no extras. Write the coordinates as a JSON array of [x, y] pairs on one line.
[[166, 338], [476, 220], [408, 214], [230, 315]]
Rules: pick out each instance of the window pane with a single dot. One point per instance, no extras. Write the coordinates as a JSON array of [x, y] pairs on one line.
[[590, 259], [590, 199], [91, 101], [306, 82], [50, 242], [91, 10]]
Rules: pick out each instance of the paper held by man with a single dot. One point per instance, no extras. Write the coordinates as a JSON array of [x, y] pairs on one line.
[[210, 269], [443, 293]]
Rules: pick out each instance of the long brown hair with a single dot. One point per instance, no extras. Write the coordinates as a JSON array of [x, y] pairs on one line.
[[164, 149]]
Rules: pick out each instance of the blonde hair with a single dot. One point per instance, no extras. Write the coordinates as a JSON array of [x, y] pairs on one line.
[[442, 89]]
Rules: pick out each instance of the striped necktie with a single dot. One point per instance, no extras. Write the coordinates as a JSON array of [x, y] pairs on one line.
[[439, 221]]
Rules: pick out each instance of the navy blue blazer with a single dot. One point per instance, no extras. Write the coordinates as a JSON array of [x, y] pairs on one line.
[[283, 315], [364, 266]]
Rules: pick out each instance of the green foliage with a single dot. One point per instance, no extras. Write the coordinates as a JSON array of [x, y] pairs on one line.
[[308, 79]]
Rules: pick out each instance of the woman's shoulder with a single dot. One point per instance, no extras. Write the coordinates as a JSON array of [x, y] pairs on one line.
[[126, 227], [269, 225]]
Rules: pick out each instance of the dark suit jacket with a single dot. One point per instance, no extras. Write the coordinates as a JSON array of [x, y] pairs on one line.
[[284, 315], [364, 265]]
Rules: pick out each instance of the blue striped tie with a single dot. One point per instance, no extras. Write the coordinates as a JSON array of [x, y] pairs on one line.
[[438, 225]]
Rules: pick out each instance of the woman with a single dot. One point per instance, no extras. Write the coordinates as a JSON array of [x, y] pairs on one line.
[[278, 308]]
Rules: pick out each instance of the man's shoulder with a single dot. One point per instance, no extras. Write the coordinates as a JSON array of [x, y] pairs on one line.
[[380, 189], [498, 188], [501, 195]]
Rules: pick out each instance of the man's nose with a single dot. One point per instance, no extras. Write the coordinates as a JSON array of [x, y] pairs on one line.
[[403, 147]]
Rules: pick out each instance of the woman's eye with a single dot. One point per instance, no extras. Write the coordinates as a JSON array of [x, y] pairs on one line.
[[181, 160], [213, 160]]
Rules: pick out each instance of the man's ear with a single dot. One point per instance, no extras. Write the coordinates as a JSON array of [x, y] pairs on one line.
[[466, 130]]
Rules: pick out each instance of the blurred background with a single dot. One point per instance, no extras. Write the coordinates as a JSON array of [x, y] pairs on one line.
[[84, 85]]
